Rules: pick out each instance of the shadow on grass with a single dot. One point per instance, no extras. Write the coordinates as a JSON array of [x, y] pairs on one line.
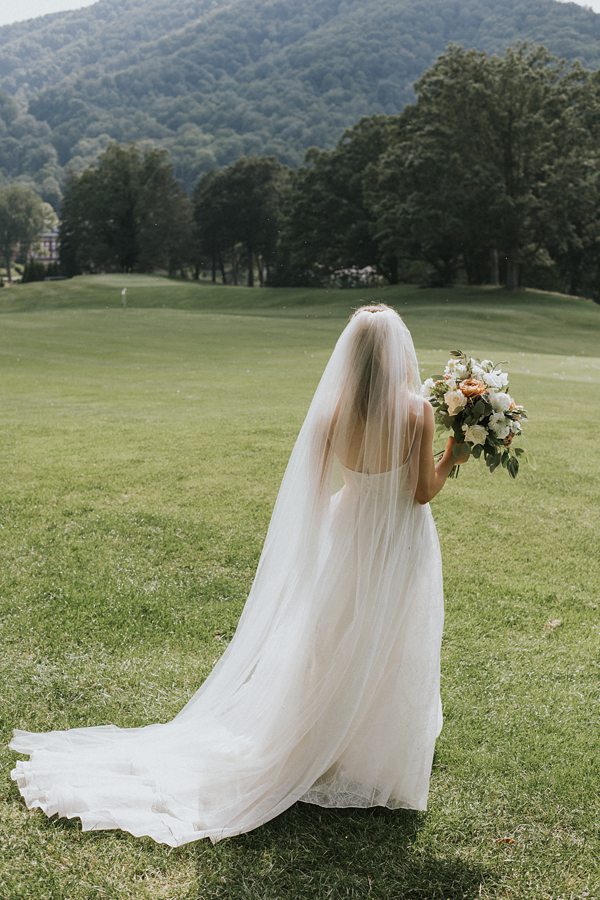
[[309, 853]]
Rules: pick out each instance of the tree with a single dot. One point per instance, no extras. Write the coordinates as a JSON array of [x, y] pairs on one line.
[[213, 213], [417, 200], [115, 186], [126, 212], [70, 235], [164, 216], [478, 166], [573, 233], [254, 185], [329, 222], [241, 204], [22, 218]]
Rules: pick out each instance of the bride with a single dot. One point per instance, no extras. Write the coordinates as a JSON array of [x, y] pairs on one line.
[[329, 691]]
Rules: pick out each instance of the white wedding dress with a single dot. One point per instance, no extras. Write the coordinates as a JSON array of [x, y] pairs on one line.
[[329, 691]]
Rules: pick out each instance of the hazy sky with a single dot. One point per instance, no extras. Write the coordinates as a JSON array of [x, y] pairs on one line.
[[16, 10], [595, 4]]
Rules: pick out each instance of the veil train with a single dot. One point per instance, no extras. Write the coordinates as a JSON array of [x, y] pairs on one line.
[[329, 689]]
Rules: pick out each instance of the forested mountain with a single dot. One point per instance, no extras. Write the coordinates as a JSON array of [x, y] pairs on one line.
[[211, 80]]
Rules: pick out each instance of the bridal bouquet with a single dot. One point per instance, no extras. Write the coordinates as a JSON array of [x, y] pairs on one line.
[[471, 399]]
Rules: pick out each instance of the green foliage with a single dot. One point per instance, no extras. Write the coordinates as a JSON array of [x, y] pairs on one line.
[[165, 218], [211, 81], [241, 205], [22, 217], [27, 151], [328, 223], [498, 158], [33, 271], [493, 174], [127, 212]]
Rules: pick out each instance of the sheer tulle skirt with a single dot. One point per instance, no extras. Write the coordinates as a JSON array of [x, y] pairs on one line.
[[335, 702]]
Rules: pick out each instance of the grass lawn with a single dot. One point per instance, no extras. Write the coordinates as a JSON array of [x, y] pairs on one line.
[[141, 454]]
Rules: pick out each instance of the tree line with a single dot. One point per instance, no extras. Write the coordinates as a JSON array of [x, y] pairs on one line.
[[491, 176]]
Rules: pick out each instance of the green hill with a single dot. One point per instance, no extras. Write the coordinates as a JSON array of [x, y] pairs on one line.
[[214, 79], [438, 317]]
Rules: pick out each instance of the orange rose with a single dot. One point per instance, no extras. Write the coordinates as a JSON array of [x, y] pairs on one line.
[[472, 387]]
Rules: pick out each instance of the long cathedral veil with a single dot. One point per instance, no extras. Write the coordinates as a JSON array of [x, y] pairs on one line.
[[284, 713]]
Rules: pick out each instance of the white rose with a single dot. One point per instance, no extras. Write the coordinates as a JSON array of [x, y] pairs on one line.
[[500, 401], [476, 434], [427, 387], [515, 427], [451, 382], [455, 401], [477, 370], [499, 425]]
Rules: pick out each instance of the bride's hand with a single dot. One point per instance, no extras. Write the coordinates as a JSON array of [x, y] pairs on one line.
[[462, 453]]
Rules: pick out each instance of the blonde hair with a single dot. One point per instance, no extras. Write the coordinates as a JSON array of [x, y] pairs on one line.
[[369, 363], [372, 308], [366, 392]]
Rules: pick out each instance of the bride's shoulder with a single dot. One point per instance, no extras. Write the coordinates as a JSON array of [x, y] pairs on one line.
[[421, 416], [419, 408]]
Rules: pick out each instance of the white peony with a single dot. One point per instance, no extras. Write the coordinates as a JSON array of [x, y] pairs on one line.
[[427, 387], [455, 401], [499, 424], [500, 401], [493, 380], [476, 434], [456, 368]]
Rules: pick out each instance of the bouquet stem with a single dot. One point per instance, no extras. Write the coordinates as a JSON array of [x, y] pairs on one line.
[[453, 473]]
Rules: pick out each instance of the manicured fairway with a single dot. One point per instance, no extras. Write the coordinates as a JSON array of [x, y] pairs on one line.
[[141, 453]]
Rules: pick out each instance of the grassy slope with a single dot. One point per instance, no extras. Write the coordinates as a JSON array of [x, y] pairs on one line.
[[142, 451]]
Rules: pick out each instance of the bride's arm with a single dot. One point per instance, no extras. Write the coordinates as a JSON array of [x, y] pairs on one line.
[[432, 476]]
